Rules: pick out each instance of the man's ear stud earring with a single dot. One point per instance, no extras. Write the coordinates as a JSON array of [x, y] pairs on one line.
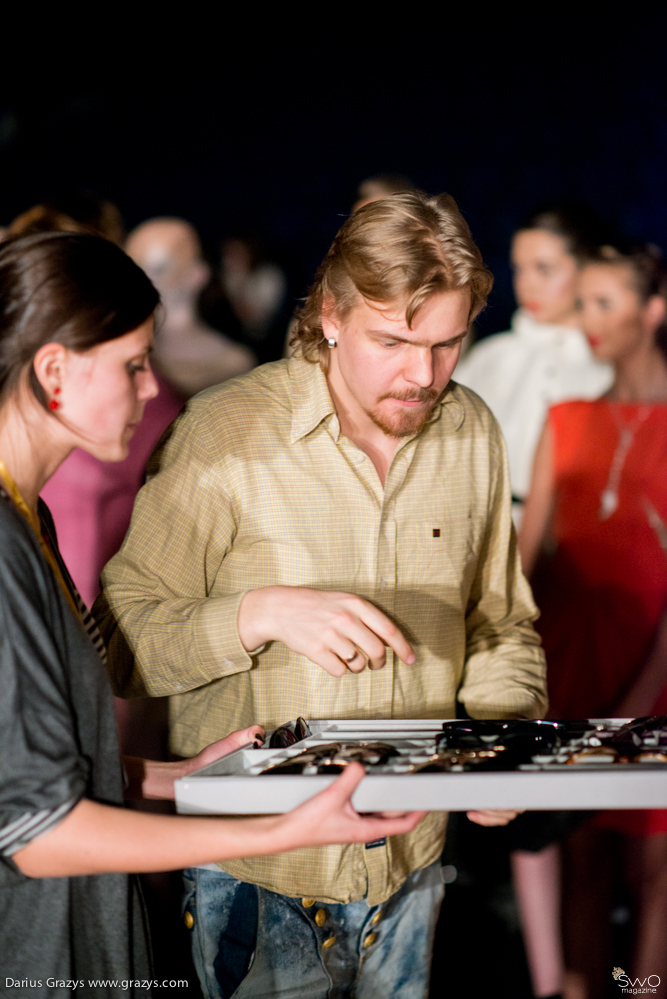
[[331, 343]]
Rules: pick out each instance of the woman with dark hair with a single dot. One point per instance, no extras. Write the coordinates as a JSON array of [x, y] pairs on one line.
[[544, 358], [594, 540], [76, 327]]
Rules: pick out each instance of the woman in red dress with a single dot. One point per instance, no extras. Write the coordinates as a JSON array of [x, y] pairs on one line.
[[594, 539]]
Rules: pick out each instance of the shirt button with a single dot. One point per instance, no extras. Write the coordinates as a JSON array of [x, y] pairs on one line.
[[376, 918], [307, 903], [188, 919], [321, 917], [370, 939], [178, 686], [361, 866], [329, 942]]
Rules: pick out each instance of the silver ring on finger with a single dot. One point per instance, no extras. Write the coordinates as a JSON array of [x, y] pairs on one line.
[[350, 659]]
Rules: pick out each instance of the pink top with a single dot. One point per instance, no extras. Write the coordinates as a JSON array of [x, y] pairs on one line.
[[91, 501]]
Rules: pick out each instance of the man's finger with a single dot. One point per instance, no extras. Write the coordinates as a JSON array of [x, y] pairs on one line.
[[371, 647], [387, 631], [331, 663], [350, 655], [492, 816]]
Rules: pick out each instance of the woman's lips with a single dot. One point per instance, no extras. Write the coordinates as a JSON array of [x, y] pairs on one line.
[[594, 341], [532, 306]]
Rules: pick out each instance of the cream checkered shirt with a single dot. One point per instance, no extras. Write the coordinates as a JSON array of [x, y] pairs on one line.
[[258, 487]]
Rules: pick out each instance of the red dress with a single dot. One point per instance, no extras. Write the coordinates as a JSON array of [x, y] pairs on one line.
[[603, 591]]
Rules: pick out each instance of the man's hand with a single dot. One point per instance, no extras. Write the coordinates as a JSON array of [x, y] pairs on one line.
[[338, 631], [494, 816]]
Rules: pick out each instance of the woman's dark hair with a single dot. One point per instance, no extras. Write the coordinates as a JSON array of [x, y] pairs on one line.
[[648, 273], [581, 229], [644, 262], [67, 288]]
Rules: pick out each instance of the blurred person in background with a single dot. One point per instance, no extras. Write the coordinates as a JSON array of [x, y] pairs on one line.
[[73, 211], [256, 288], [544, 358], [379, 186], [190, 354], [594, 541]]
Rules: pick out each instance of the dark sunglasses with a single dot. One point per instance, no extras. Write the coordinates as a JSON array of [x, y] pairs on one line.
[[287, 735]]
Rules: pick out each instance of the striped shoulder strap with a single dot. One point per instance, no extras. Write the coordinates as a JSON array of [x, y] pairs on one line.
[[85, 616]]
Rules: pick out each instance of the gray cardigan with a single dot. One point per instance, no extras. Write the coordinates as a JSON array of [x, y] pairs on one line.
[[57, 744]]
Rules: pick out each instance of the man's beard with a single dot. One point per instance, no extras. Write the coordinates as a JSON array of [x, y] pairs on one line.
[[407, 422]]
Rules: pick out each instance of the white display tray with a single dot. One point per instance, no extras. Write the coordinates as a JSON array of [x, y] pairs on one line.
[[232, 785]]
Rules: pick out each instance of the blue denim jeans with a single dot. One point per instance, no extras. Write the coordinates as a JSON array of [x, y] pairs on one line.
[[251, 943]]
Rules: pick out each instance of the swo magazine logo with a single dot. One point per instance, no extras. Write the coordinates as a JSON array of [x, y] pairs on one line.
[[638, 986]]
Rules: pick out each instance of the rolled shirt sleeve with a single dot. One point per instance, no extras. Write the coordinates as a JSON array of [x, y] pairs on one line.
[[157, 608]]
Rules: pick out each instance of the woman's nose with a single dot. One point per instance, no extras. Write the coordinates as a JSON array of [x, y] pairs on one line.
[[149, 386]]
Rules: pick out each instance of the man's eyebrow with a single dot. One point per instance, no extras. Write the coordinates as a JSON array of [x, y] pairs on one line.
[[386, 335]]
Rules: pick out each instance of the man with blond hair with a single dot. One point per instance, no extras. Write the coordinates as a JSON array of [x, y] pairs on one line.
[[330, 536]]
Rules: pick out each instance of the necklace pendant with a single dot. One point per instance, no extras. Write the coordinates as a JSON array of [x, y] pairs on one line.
[[608, 503]]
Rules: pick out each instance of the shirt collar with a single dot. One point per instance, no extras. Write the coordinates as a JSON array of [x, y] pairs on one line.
[[312, 403], [529, 328]]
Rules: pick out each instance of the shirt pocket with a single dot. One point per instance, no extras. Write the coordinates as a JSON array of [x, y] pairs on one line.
[[432, 553]]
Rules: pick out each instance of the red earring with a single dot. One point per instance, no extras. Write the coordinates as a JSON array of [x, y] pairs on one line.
[[53, 404]]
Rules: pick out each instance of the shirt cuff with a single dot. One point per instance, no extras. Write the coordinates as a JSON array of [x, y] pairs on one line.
[[31, 825], [216, 634]]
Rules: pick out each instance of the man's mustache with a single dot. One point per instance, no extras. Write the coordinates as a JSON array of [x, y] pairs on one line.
[[421, 395]]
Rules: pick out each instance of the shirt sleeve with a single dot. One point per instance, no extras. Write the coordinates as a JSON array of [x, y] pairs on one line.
[[164, 633], [42, 771], [505, 671]]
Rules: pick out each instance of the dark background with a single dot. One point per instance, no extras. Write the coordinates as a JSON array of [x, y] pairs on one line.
[[269, 125]]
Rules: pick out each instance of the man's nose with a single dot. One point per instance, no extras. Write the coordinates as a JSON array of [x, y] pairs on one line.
[[419, 369]]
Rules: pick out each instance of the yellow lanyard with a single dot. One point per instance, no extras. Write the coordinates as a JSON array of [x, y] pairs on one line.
[[34, 521]]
